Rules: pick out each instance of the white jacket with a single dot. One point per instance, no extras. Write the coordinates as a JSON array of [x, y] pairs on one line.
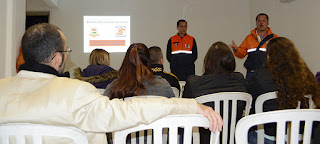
[[35, 97]]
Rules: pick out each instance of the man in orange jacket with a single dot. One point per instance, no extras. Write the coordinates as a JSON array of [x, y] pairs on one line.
[[252, 41], [182, 52]]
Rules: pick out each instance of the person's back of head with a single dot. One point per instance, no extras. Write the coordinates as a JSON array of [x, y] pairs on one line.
[[219, 59], [40, 42], [99, 57], [133, 72], [155, 55], [44, 44], [292, 76]]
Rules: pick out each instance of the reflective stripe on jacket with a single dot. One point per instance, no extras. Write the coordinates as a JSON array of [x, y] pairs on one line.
[[251, 42]]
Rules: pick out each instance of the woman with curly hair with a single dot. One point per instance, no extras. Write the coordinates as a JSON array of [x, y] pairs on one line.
[[292, 77], [136, 78], [287, 73]]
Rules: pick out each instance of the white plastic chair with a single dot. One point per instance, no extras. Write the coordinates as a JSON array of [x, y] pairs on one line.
[[37, 131], [144, 96], [101, 91], [176, 92], [173, 122], [182, 84], [226, 97], [259, 109], [149, 132], [281, 117]]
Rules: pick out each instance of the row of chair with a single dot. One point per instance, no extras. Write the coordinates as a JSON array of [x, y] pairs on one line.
[[189, 121]]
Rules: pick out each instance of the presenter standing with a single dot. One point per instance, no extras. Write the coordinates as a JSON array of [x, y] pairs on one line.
[[182, 52], [254, 45]]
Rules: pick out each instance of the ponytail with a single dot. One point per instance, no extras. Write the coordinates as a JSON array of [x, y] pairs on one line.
[[133, 72]]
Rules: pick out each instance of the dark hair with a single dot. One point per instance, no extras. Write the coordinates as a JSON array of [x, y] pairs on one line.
[[155, 55], [181, 20], [260, 14], [40, 42], [132, 73], [219, 59], [293, 79]]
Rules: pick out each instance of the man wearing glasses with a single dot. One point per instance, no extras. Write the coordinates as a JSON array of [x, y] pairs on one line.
[[38, 95]]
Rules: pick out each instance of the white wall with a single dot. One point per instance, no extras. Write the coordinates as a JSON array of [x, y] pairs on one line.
[[153, 22], [12, 25], [298, 20], [3, 25]]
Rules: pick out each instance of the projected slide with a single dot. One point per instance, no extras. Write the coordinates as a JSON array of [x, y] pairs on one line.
[[111, 33]]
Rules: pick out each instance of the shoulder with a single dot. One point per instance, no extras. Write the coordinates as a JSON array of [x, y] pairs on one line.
[[170, 75], [189, 36], [194, 79], [238, 75]]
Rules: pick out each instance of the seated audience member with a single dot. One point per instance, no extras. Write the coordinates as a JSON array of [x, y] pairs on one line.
[[156, 64], [136, 78], [219, 76], [260, 83], [288, 74], [38, 95], [99, 73], [318, 77]]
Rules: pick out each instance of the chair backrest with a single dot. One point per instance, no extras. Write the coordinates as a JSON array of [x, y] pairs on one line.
[[176, 92], [259, 109], [182, 84], [101, 91], [226, 97], [173, 122], [281, 117], [37, 131], [144, 96]]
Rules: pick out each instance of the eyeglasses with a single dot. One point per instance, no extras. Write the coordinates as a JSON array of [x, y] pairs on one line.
[[69, 50]]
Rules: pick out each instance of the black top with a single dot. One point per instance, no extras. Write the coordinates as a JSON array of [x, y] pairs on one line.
[[213, 83], [261, 82], [157, 69], [207, 84]]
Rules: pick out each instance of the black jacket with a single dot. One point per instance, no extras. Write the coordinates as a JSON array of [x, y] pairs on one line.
[[213, 83], [261, 82], [157, 69], [207, 84]]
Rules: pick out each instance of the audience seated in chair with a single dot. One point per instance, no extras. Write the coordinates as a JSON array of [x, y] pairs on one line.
[[286, 73], [219, 76], [136, 78], [38, 95], [99, 73], [156, 64]]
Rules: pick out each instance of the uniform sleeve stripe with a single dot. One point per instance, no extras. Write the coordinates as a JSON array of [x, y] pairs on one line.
[[181, 51], [254, 49]]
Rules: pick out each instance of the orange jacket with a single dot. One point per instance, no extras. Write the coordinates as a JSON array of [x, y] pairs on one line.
[[182, 53], [181, 45], [251, 42], [20, 60]]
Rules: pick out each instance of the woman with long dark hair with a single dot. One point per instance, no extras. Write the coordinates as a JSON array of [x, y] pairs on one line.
[[293, 78], [219, 76], [288, 75], [136, 78]]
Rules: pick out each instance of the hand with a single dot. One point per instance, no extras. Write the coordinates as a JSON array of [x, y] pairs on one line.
[[214, 117], [234, 46]]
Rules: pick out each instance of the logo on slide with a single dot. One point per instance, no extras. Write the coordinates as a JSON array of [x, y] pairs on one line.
[[120, 31], [93, 32]]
